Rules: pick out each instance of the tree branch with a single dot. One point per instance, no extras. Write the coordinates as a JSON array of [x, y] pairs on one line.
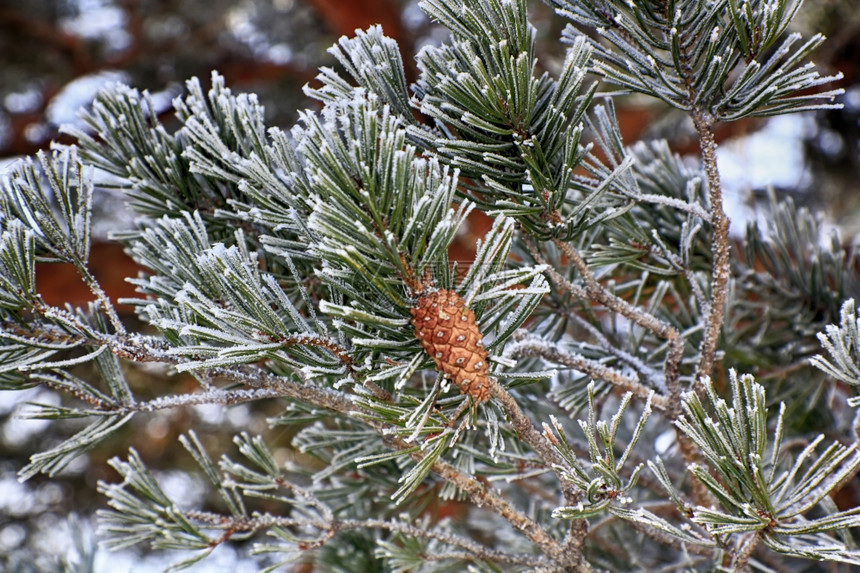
[[329, 527], [537, 347], [274, 386], [595, 291], [720, 248]]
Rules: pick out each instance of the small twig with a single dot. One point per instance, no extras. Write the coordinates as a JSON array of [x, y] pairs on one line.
[[544, 349], [340, 353], [301, 339], [330, 526], [101, 296], [317, 395], [214, 396], [679, 204], [743, 553], [719, 246], [596, 291], [637, 364]]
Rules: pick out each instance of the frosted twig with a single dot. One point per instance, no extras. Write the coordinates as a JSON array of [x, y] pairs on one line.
[[341, 402], [211, 396], [672, 202], [536, 347], [332, 346], [340, 353], [214, 396], [719, 246], [742, 556], [637, 364], [329, 527], [257, 378], [597, 292], [594, 290], [103, 299], [135, 347]]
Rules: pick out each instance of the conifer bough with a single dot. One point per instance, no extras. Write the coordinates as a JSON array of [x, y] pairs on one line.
[[280, 266]]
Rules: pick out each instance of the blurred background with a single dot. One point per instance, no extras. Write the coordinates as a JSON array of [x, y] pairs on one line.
[[54, 56]]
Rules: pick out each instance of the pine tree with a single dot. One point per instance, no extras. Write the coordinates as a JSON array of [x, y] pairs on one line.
[[605, 308]]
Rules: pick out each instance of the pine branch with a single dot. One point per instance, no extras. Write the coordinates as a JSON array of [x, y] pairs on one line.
[[842, 343], [752, 496], [331, 527], [310, 268], [720, 248], [719, 60], [184, 527], [537, 347], [480, 495]]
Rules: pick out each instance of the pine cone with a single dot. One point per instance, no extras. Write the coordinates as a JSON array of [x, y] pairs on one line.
[[449, 334]]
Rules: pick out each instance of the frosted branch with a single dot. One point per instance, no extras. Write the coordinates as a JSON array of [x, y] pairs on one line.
[[594, 290], [654, 377], [536, 347], [720, 247], [674, 203], [330, 527], [222, 397]]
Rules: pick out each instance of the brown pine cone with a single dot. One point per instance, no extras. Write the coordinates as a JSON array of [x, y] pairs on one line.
[[449, 334]]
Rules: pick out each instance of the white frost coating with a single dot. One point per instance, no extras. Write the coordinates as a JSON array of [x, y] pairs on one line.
[[359, 226], [446, 385]]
